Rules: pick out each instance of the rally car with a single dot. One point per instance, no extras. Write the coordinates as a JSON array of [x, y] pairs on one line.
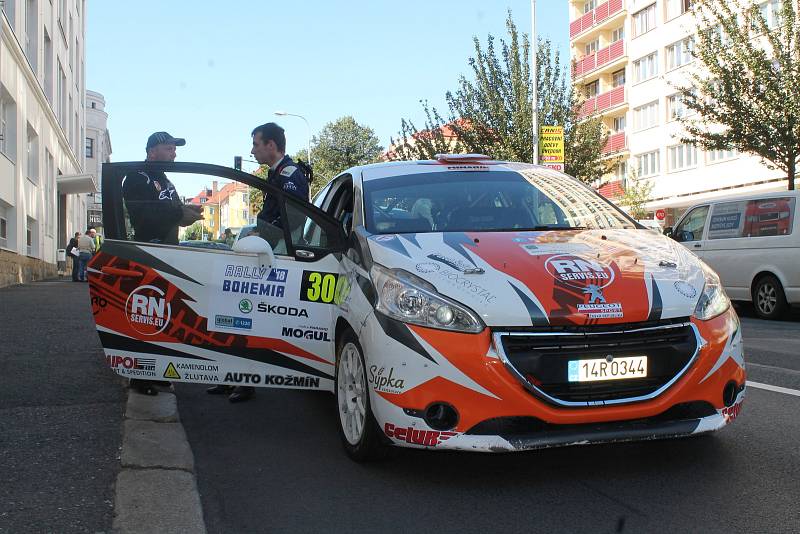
[[458, 303]]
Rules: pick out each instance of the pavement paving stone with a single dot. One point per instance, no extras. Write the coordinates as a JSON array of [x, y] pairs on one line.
[[157, 500], [148, 444], [160, 408]]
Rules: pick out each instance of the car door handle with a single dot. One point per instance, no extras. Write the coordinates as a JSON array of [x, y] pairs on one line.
[[697, 245], [304, 254], [125, 273]]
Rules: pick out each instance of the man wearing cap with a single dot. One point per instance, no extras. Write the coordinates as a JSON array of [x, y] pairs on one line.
[[154, 206]]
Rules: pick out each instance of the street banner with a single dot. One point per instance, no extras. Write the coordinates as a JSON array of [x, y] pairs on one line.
[[551, 147]]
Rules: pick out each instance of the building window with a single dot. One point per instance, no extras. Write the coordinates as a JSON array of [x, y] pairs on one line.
[[618, 34], [645, 68], [61, 96], [619, 124], [244, 214], [589, 5], [32, 149], [679, 53], [645, 116], [89, 147], [647, 164], [771, 11], [644, 20], [31, 32], [211, 223], [8, 118], [211, 211], [591, 48], [50, 203], [48, 67], [245, 198], [675, 107], [618, 78], [676, 8], [681, 157], [592, 89], [30, 226], [621, 170], [3, 226], [203, 200], [715, 156]]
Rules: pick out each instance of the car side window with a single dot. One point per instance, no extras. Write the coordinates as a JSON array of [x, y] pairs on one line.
[[310, 230], [691, 228], [727, 220], [769, 217]]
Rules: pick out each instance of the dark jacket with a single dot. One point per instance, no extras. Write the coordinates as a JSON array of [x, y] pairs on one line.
[[288, 177], [72, 244], [154, 207]]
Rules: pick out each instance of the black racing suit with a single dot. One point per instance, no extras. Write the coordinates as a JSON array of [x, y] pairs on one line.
[[288, 177], [154, 207]]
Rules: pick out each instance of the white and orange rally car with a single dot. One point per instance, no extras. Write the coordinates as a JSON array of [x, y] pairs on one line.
[[461, 303]]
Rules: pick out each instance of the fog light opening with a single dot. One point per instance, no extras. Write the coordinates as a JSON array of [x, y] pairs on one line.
[[441, 416], [729, 393]]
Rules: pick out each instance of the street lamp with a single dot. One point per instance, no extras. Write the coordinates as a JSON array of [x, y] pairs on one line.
[[284, 114]]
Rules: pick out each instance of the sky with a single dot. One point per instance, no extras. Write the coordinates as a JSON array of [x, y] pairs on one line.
[[212, 71]]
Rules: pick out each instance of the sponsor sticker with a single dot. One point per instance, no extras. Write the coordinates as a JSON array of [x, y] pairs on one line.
[[171, 373], [602, 310], [98, 305], [249, 272], [245, 306], [578, 272], [147, 310], [133, 367], [685, 289], [731, 413], [384, 381], [428, 438], [287, 311], [315, 333], [541, 249], [227, 321], [427, 267]]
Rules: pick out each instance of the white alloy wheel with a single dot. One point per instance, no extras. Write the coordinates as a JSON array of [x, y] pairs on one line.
[[767, 298], [352, 393]]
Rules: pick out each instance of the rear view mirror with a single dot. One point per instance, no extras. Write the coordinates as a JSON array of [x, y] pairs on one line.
[[255, 245], [668, 231]]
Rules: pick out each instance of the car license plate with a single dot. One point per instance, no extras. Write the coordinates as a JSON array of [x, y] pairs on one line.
[[602, 369]]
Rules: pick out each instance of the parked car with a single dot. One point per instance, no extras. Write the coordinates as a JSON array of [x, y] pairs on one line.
[[753, 243], [460, 303], [651, 225]]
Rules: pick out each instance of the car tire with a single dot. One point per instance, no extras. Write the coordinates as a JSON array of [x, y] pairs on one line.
[[362, 439], [769, 300]]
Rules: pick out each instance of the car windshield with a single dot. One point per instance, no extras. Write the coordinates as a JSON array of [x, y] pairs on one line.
[[485, 201]]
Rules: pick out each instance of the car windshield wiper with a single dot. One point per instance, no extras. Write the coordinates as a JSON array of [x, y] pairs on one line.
[[555, 227]]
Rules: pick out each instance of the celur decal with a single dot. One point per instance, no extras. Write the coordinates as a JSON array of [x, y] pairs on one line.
[[386, 383], [147, 310], [274, 309], [732, 412], [428, 438]]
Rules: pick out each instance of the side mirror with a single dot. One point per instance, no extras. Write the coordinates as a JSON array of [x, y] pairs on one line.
[[668, 231], [255, 245]]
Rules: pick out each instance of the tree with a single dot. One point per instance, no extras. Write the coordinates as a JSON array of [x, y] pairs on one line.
[[256, 195], [492, 113], [636, 196], [342, 144], [194, 232], [747, 99]]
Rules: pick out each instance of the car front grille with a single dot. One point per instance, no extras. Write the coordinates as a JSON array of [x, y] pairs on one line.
[[540, 358]]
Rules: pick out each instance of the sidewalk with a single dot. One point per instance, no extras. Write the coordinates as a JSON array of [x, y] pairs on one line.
[[61, 412]]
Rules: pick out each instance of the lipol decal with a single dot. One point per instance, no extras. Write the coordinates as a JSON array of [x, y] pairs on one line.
[[147, 310], [129, 366]]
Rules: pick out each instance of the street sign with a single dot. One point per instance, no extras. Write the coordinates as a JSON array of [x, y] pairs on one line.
[[661, 215], [551, 145]]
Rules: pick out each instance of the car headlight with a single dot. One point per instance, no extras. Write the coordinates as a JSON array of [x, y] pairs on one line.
[[410, 299], [713, 301]]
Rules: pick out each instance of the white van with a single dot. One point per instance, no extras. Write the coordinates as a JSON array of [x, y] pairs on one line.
[[753, 243]]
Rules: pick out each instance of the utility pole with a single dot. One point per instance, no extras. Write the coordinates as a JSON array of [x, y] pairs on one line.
[[534, 84]]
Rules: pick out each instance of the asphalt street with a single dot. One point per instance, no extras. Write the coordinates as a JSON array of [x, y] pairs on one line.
[[275, 464], [61, 413]]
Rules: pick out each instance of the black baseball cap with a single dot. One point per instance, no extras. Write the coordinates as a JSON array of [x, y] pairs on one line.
[[163, 138]]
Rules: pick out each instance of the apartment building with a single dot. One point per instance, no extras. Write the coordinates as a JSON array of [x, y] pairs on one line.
[[97, 151], [628, 58], [208, 198], [42, 130], [234, 207]]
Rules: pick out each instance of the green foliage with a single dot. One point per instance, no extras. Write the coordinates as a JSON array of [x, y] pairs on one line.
[[194, 232], [747, 99], [492, 112], [341, 144], [637, 195]]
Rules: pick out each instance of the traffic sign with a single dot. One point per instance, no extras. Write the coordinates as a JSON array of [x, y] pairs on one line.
[[661, 215]]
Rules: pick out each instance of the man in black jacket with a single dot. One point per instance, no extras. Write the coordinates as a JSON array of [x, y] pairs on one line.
[[73, 245], [154, 206]]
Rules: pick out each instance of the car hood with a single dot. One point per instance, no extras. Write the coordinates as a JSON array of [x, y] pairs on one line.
[[552, 278]]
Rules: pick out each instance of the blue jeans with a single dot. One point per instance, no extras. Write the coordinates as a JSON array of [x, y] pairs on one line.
[[83, 261]]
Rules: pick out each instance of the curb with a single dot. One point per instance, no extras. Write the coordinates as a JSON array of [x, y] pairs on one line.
[[156, 490]]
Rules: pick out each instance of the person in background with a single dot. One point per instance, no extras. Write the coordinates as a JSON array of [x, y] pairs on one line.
[[228, 238], [86, 251], [73, 245], [97, 238]]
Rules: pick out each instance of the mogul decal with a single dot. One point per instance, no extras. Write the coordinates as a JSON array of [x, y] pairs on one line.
[[274, 309], [128, 366], [292, 380], [299, 333], [386, 383], [147, 310], [428, 438], [256, 273], [325, 288]]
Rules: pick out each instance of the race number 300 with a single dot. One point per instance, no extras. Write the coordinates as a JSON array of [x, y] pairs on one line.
[[319, 287]]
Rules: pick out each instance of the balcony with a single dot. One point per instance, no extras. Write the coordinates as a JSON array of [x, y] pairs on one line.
[[602, 57], [602, 102], [594, 17], [616, 143], [612, 190]]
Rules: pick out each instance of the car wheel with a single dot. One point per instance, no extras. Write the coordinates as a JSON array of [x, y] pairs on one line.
[[361, 437], [769, 300]]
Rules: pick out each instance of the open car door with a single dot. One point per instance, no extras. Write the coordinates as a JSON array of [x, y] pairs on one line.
[[258, 314]]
